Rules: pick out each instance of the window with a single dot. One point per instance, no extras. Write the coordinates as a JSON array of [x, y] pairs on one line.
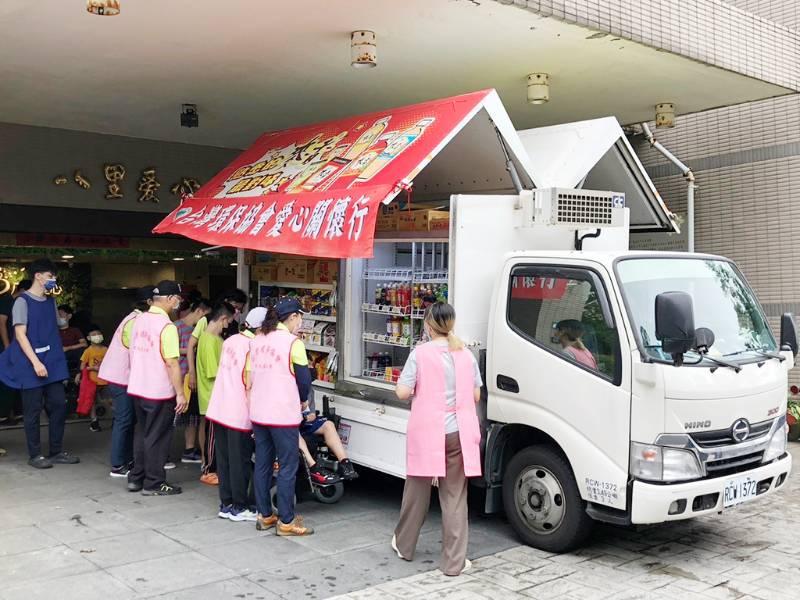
[[566, 311]]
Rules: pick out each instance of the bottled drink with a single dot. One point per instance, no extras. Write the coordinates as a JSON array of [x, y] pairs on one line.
[[384, 297], [397, 327], [389, 326], [394, 148], [406, 328], [377, 293]]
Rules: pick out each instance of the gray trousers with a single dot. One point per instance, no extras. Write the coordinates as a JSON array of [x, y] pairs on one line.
[[453, 501]]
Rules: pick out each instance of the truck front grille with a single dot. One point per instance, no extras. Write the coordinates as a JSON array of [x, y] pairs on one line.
[[737, 464], [722, 437]]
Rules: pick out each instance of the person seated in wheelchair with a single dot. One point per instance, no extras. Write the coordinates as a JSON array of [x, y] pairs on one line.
[[314, 425]]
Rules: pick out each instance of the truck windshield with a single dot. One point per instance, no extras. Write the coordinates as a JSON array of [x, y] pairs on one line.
[[723, 302]]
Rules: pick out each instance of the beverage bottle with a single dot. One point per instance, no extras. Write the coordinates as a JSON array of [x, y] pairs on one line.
[[407, 328], [389, 326], [367, 138], [377, 293], [397, 327], [384, 298], [394, 148]]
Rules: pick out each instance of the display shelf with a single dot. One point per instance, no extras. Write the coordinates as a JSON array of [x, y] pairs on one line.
[[389, 340], [375, 375], [299, 286], [326, 318], [438, 276], [396, 311], [318, 348], [394, 274], [328, 385]]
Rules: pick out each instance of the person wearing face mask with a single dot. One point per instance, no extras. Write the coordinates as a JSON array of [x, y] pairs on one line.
[[89, 384], [157, 389], [35, 364], [72, 338], [279, 381]]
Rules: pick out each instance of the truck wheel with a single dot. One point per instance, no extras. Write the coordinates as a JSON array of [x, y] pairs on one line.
[[542, 501], [329, 494]]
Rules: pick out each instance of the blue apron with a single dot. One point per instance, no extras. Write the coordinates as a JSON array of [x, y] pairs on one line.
[[16, 371]]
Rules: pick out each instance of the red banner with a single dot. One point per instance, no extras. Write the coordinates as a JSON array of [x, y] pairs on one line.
[[537, 288], [348, 165], [316, 224]]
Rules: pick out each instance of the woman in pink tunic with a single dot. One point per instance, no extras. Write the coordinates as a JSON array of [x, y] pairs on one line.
[[570, 332], [442, 439]]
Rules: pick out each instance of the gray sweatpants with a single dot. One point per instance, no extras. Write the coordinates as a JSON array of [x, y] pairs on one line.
[[453, 500]]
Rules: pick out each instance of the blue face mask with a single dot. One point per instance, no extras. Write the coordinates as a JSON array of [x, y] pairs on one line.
[[50, 285]]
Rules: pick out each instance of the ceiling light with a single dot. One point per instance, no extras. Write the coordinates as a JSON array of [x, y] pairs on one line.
[[538, 88], [178, 258], [363, 50], [67, 256], [234, 264], [104, 8], [155, 262], [198, 256], [665, 115]]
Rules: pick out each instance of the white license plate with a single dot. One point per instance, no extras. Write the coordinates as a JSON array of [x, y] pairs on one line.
[[738, 490]]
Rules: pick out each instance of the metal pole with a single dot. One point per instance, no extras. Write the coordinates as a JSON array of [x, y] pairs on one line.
[[690, 215], [242, 272]]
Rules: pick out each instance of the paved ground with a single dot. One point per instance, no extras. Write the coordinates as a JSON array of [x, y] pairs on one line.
[[72, 532]]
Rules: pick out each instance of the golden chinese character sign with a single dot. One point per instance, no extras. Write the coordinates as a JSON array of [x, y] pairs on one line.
[[315, 190]]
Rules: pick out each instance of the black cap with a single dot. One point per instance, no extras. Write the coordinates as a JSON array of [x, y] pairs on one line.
[[167, 288], [286, 306], [143, 294]]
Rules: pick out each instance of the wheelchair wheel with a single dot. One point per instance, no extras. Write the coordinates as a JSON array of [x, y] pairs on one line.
[[273, 494], [329, 494]]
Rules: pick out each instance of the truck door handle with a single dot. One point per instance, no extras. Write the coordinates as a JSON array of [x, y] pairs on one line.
[[507, 384]]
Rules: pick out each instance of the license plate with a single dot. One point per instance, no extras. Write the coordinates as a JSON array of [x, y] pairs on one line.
[[738, 490]]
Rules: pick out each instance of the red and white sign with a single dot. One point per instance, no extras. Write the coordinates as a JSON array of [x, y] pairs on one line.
[[315, 190], [537, 288]]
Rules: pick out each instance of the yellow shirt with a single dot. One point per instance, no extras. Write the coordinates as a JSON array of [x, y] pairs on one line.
[[170, 340], [299, 356], [200, 328], [92, 357]]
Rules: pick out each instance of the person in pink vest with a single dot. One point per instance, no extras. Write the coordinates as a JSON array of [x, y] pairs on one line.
[[116, 370], [229, 411], [442, 440], [157, 390], [279, 379], [570, 334]]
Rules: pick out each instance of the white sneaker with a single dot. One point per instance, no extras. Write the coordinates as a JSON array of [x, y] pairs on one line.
[[467, 565], [242, 515], [394, 547], [169, 465]]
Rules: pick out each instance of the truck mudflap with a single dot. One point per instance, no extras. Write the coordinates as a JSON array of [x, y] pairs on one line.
[[658, 503]]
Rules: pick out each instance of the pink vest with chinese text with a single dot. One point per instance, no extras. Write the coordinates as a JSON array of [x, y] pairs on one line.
[[425, 435], [274, 398], [116, 366], [229, 405], [149, 374]]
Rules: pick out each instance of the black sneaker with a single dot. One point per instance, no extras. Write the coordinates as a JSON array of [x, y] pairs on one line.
[[191, 457], [323, 476], [40, 462], [135, 486], [64, 458], [121, 471], [95, 426], [346, 470], [164, 489]]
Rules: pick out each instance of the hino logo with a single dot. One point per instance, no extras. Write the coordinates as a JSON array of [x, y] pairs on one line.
[[697, 424], [740, 430]]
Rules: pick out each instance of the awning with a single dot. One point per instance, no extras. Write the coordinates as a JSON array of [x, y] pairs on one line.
[[316, 190], [596, 155]]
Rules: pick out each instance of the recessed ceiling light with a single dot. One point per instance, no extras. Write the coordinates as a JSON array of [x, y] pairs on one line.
[[155, 262], [178, 258], [198, 256], [67, 256], [234, 264]]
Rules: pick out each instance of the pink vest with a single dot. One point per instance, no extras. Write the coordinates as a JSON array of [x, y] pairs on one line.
[[149, 374], [584, 357], [228, 405], [116, 366], [274, 399], [425, 436]]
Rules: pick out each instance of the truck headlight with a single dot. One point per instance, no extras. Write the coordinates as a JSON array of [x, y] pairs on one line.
[[660, 463], [776, 446]]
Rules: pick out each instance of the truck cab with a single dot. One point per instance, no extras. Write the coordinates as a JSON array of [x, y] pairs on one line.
[[592, 414]]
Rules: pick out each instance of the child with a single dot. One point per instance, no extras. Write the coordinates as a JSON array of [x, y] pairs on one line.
[[91, 359], [230, 412], [209, 352]]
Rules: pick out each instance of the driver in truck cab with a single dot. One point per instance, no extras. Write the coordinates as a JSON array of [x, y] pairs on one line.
[[570, 334]]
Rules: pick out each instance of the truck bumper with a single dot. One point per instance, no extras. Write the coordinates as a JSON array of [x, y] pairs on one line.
[[651, 503]]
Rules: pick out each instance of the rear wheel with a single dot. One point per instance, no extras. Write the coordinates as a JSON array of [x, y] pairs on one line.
[[329, 494], [542, 501]]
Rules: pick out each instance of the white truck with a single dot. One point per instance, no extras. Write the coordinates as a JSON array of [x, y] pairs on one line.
[[682, 413]]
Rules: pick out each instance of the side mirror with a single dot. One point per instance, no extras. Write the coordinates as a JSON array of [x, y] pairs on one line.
[[788, 333], [675, 323]]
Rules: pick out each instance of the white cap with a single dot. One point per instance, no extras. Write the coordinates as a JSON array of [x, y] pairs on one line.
[[255, 318]]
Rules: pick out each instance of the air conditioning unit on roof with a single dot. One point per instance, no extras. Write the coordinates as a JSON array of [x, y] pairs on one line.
[[578, 209]]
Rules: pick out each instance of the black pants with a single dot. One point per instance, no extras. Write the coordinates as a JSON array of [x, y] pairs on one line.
[[234, 468], [151, 441], [210, 447], [51, 398]]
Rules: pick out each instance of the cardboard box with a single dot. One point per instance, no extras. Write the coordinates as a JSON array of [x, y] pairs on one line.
[[325, 271], [293, 271], [423, 220], [264, 272]]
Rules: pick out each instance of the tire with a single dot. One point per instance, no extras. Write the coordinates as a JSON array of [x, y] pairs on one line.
[[542, 501], [273, 495], [329, 494]]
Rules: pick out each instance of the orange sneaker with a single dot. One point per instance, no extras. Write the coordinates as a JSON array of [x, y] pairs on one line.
[[265, 523], [209, 479], [295, 528]]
